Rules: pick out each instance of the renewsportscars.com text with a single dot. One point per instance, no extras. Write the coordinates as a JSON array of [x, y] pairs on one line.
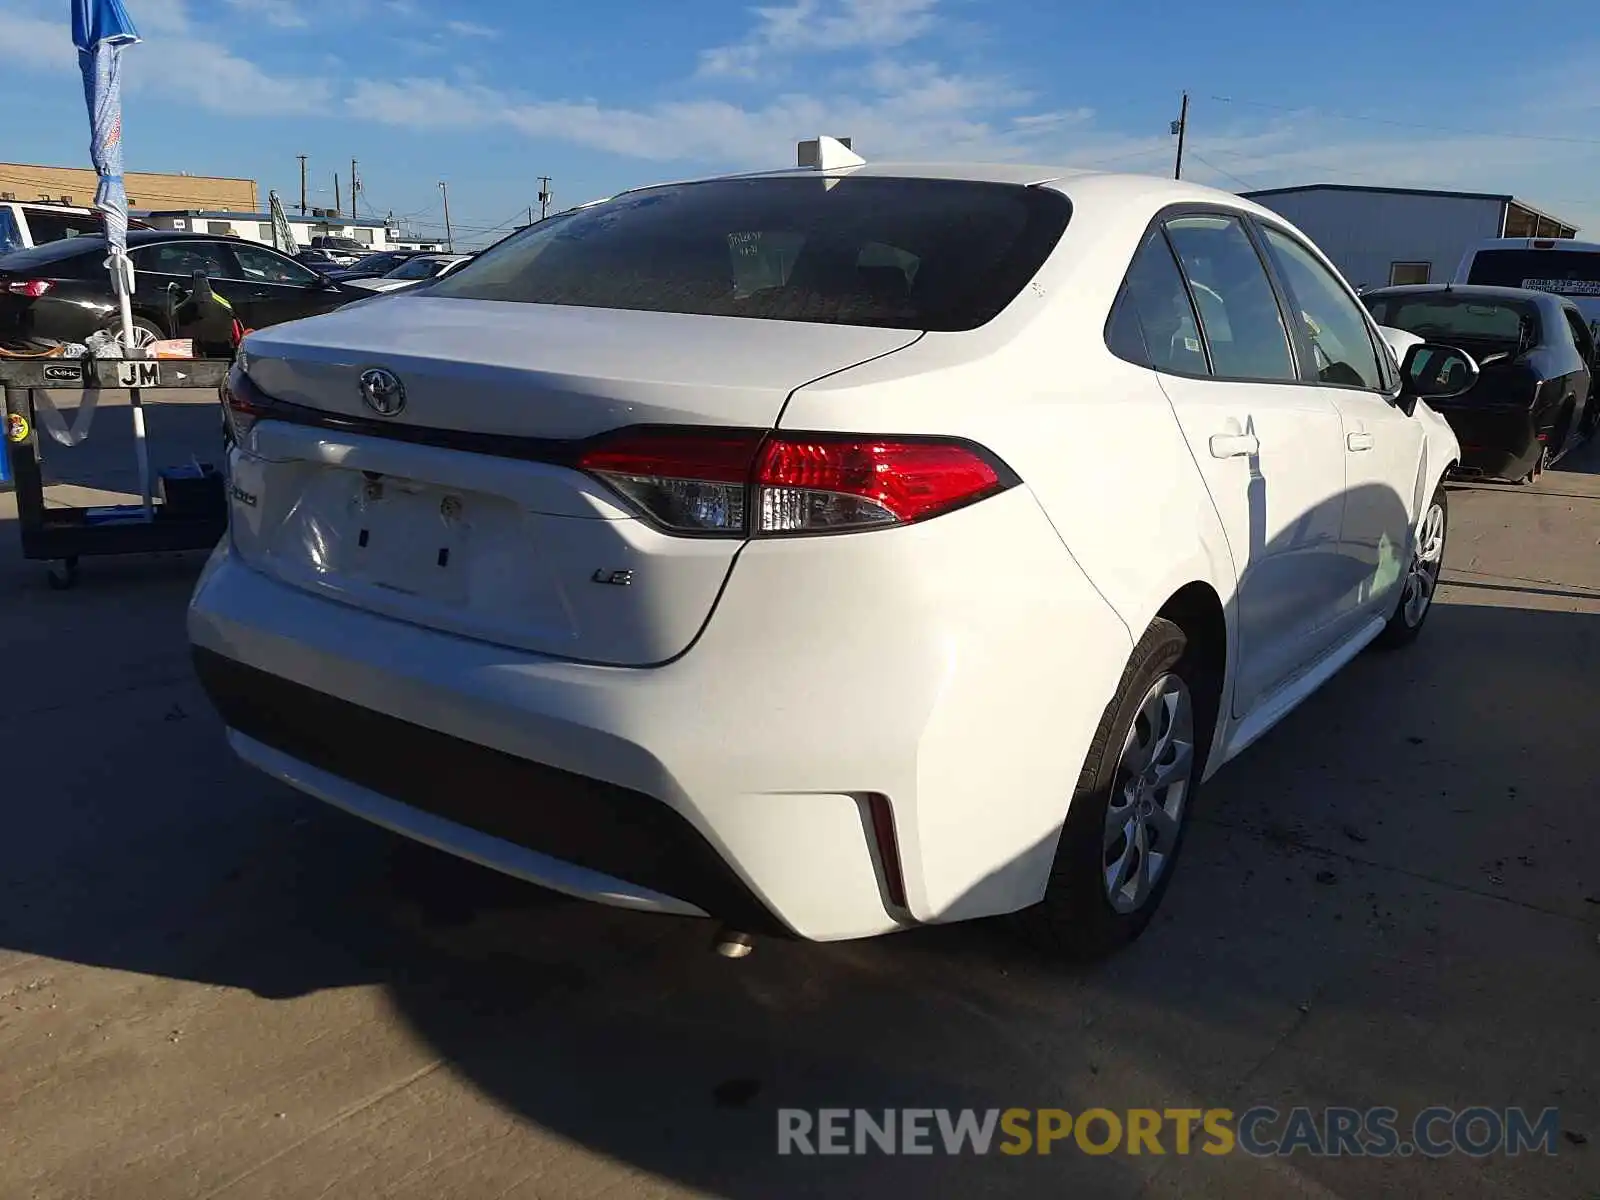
[[1478, 1131]]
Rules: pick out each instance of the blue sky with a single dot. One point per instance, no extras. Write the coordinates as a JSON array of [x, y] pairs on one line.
[[491, 94]]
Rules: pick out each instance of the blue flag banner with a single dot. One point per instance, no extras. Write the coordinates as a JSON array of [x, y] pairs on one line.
[[100, 28]]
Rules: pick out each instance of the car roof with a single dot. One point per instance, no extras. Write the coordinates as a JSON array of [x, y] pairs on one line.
[[1076, 182], [1528, 243], [1468, 291]]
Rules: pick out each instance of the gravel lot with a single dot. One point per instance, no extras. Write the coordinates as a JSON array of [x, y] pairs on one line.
[[210, 986]]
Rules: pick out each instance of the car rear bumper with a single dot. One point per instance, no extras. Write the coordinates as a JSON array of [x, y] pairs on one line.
[[1500, 443], [912, 668]]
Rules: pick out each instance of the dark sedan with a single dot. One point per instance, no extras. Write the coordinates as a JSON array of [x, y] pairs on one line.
[[1534, 400], [374, 266], [61, 290]]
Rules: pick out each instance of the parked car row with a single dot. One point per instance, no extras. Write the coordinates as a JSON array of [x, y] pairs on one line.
[[1534, 400], [60, 290], [984, 512]]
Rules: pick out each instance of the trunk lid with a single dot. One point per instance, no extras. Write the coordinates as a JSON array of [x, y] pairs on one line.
[[523, 553]]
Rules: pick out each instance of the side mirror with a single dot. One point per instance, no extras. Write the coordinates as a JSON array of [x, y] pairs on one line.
[[1434, 372]]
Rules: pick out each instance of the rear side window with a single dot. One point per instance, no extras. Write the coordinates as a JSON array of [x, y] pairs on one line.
[[1238, 308], [1155, 291], [1580, 334], [932, 254]]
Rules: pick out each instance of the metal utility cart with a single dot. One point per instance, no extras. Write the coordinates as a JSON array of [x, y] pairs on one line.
[[191, 513]]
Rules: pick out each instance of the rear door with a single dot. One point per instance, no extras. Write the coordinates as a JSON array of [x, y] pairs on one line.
[[1269, 449], [269, 288], [1383, 446]]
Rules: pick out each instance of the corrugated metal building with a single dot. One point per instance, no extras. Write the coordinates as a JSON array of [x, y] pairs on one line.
[[1378, 235]]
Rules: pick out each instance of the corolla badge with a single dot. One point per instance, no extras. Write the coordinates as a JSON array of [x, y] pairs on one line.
[[382, 392]]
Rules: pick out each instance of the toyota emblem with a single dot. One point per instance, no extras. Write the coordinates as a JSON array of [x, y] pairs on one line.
[[382, 392]]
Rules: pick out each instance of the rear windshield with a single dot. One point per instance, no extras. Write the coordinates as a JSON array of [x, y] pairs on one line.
[[418, 268], [48, 226], [898, 253], [1440, 317], [51, 252], [1564, 272]]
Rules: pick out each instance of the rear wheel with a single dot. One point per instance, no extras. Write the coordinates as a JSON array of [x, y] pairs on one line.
[[1124, 828], [1422, 576], [144, 332]]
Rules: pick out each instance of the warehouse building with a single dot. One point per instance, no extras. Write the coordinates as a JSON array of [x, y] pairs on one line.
[[1379, 235], [146, 189], [257, 226]]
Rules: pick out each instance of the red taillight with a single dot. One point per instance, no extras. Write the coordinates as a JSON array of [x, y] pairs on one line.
[[743, 482], [243, 404], [31, 288], [813, 486]]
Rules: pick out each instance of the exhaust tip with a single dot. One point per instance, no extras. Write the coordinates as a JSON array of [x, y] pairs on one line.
[[731, 943]]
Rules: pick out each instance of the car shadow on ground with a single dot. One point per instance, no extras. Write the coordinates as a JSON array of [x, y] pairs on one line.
[[1357, 872]]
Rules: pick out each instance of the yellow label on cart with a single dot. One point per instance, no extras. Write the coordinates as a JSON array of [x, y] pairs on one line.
[[17, 428]]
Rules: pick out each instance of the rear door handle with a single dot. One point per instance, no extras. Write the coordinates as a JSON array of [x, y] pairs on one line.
[[1234, 445], [1359, 441]]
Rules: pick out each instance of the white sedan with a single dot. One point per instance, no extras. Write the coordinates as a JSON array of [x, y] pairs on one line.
[[827, 552], [412, 272]]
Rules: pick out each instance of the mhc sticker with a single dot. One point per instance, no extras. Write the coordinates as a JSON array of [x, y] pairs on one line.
[[17, 428]]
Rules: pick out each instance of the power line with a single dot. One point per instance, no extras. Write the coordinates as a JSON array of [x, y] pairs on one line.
[[1521, 137], [1246, 184]]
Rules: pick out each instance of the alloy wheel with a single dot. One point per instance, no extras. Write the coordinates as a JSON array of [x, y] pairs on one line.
[[1151, 785], [1422, 579]]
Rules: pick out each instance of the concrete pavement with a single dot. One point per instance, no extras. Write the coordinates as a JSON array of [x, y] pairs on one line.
[[211, 986]]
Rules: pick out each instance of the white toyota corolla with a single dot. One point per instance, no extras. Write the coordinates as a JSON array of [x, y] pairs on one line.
[[826, 552]]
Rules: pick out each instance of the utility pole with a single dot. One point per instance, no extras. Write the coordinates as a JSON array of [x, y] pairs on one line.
[[302, 159], [1181, 128], [355, 189], [530, 214], [338, 204], [449, 239], [544, 197]]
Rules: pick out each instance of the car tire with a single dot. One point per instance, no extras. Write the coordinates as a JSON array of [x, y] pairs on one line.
[[1084, 913], [144, 332], [1422, 572]]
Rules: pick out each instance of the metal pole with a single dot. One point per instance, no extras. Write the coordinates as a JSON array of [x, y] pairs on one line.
[[449, 239], [338, 204], [354, 188], [1183, 128], [544, 196], [302, 159]]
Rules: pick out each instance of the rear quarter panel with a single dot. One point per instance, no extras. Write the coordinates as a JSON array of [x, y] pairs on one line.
[[1093, 437]]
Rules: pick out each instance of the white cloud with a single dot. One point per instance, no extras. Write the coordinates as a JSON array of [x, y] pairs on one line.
[[282, 14], [470, 29], [181, 62], [811, 26]]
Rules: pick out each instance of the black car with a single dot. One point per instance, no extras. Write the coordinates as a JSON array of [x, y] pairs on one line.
[[373, 266], [1535, 399], [61, 290]]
